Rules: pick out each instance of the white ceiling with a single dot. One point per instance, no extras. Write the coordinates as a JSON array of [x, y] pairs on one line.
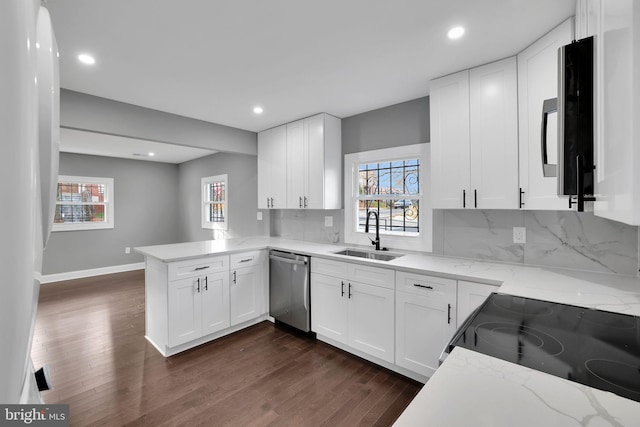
[[99, 144], [215, 60]]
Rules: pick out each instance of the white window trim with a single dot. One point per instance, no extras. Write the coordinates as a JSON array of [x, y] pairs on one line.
[[109, 204], [422, 242], [203, 203]]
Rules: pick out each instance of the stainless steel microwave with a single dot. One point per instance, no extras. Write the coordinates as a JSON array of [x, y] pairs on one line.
[[576, 161]]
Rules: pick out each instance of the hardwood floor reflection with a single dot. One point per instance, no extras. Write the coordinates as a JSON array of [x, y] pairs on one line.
[[91, 333]]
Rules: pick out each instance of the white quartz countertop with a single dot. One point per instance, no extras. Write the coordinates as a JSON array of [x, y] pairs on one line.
[[471, 389], [587, 289]]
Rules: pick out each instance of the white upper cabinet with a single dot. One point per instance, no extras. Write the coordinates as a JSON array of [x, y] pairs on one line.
[[296, 163], [450, 156], [494, 135], [617, 30], [474, 138], [272, 171], [537, 83], [310, 163]]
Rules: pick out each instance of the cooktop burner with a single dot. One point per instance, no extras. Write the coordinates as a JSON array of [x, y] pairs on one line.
[[592, 347]]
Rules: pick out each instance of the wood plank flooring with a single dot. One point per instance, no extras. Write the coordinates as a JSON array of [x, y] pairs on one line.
[[91, 333]]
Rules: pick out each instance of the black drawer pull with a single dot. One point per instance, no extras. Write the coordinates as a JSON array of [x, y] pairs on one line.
[[201, 268], [418, 285]]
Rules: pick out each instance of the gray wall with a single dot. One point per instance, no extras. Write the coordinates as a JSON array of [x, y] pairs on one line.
[[242, 171], [394, 126], [146, 213], [92, 113], [557, 239]]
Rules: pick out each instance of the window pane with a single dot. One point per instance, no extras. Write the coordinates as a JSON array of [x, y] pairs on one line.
[[78, 192], [394, 215], [368, 182], [412, 180], [78, 214], [215, 192], [215, 212]]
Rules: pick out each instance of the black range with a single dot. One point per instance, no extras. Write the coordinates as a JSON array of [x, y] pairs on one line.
[[597, 348]]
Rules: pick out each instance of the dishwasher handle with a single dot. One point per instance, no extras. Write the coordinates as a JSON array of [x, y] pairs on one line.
[[288, 260]]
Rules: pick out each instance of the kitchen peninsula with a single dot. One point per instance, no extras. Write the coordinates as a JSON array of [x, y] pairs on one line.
[[484, 384]]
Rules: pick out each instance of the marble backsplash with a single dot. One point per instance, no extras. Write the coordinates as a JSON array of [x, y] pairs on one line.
[[555, 239]]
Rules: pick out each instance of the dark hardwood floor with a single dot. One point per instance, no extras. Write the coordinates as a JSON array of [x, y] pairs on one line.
[[91, 333]]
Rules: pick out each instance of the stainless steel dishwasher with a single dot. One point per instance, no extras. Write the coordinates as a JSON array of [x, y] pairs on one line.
[[289, 289]]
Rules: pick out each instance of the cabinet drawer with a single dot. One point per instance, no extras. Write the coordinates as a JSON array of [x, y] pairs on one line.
[[329, 267], [245, 259], [371, 275], [421, 285], [197, 267]]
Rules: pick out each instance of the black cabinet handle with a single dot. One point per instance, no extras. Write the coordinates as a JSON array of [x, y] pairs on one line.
[[418, 285], [448, 314], [234, 277], [201, 268], [349, 290], [198, 287], [521, 198], [341, 289], [475, 198], [464, 198], [206, 283]]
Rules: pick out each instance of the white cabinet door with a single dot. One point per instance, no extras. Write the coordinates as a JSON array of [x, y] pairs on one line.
[[314, 179], [537, 82], [296, 165], [618, 111], [470, 296], [371, 320], [215, 303], [272, 171], [264, 169], [329, 307], [425, 320], [494, 135], [246, 294], [423, 328], [450, 156], [185, 311]]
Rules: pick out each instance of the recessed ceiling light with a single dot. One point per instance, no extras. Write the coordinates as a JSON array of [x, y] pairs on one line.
[[455, 33], [152, 154], [257, 110], [86, 59]]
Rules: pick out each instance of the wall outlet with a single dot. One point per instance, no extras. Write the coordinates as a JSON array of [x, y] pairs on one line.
[[519, 235], [127, 250], [259, 216], [328, 221]]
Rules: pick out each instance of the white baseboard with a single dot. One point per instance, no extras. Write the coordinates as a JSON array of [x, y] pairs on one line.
[[50, 278]]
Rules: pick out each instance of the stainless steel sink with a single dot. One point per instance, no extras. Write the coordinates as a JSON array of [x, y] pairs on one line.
[[380, 256]]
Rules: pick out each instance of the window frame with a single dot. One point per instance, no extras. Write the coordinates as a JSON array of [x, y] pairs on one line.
[[421, 241], [109, 193], [204, 202]]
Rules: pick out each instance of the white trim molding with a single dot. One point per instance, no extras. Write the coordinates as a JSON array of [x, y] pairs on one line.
[[81, 274], [424, 240]]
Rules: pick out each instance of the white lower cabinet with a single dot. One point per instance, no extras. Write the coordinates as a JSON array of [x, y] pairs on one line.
[[198, 306], [359, 315], [425, 320], [370, 320], [470, 296], [328, 306], [191, 302], [247, 286]]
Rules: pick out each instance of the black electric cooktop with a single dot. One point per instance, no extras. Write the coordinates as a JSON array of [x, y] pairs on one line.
[[592, 347]]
